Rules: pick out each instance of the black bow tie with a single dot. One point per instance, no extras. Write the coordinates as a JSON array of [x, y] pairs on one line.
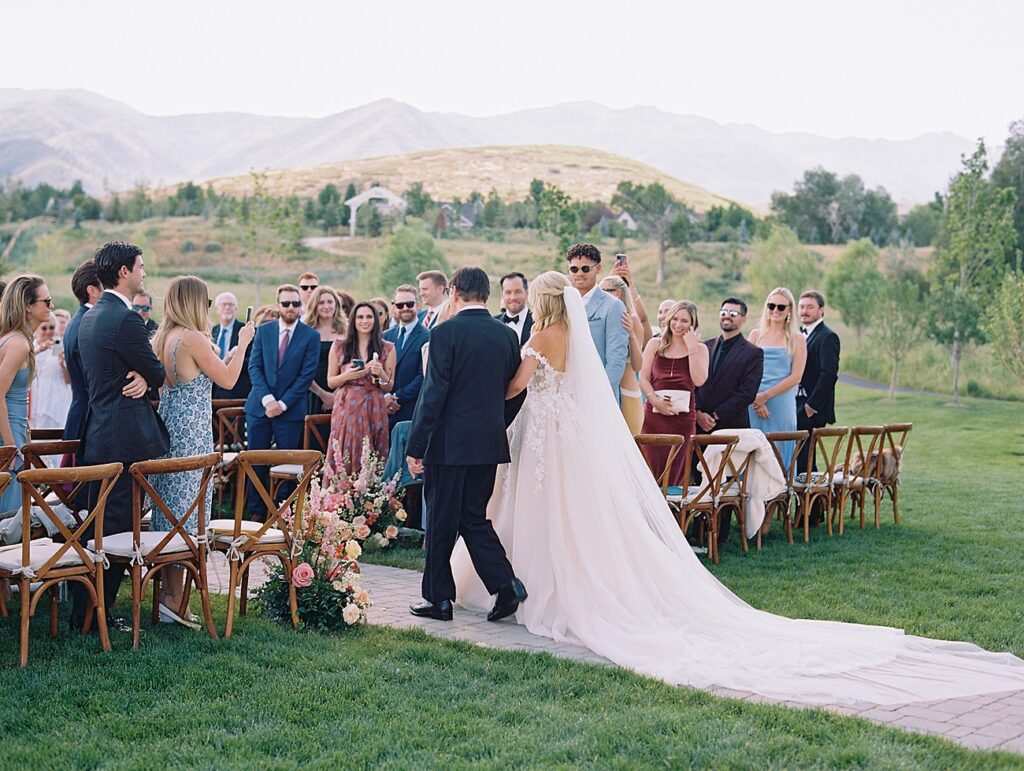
[[511, 319]]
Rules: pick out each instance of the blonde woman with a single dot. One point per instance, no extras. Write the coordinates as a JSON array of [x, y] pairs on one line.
[[630, 402], [182, 343], [324, 315], [25, 306], [51, 385], [785, 354], [677, 361]]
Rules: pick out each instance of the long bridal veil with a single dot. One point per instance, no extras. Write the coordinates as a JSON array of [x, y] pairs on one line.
[[607, 567]]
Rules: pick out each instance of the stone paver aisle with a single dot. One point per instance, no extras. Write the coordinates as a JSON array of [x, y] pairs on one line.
[[993, 721]]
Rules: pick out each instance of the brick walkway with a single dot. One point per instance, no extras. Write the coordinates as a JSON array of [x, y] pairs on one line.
[[994, 721]]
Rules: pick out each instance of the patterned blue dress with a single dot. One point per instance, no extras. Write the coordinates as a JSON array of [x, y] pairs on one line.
[[186, 409], [17, 414]]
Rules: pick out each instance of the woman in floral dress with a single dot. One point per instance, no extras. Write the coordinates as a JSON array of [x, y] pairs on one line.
[[359, 408]]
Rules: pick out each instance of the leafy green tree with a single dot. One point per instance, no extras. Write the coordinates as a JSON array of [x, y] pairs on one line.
[[272, 231], [781, 260], [921, 224], [558, 216], [350, 192], [309, 212], [1009, 172], [968, 267], [113, 212], [1004, 324], [494, 210], [418, 200], [853, 284], [657, 210], [900, 312], [536, 191], [409, 252]]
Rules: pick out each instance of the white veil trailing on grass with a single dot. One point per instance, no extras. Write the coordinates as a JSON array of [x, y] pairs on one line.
[[606, 566]]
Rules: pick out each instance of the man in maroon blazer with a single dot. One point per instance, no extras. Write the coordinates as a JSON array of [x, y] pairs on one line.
[[735, 367]]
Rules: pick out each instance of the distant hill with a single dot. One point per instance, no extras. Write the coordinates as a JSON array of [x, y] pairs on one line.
[[585, 174], [59, 136]]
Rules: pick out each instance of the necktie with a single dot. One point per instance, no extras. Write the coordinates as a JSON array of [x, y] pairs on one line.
[[428, 318], [401, 339], [511, 319], [283, 348], [223, 342]]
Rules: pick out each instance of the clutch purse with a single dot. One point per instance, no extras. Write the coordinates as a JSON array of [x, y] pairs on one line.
[[679, 400]]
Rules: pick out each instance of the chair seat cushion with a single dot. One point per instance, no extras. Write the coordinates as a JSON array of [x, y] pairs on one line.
[[227, 458], [286, 470], [120, 544], [675, 494], [40, 551], [223, 530]]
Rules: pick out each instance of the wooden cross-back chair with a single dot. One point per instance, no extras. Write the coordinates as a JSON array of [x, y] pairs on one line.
[[852, 482], [48, 562], [674, 442], [243, 540], [734, 495], [814, 486], [312, 439], [889, 468], [229, 440], [35, 454], [156, 550], [45, 434], [781, 505], [224, 404], [702, 500]]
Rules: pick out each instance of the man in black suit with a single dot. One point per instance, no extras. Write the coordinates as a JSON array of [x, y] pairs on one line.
[[225, 337], [735, 366], [85, 283], [816, 397], [513, 300], [458, 437], [409, 336], [142, 303], [120, 425]]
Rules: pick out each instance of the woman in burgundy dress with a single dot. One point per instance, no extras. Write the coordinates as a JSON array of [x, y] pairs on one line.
[[677, 361], [361, 368]]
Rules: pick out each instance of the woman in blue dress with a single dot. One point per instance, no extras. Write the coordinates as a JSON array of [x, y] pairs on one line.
[[24, 306], [785, 354], [192, 364]]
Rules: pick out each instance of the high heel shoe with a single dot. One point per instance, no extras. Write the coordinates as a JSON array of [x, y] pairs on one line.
[[168, 616]]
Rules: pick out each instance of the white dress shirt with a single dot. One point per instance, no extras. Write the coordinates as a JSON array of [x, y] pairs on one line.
[[517, 326], [433, 313], [126, 300], [589, 295], [811, 327]]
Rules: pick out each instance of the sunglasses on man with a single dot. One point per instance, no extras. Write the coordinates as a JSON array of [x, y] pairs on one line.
[[731, 314], [405, 305], [580, 268], [291, 303], [308, 287], [140, 308]]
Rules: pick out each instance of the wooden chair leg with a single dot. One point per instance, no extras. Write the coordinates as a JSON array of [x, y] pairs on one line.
[[741, 516], [243, 595], [24, 590], [53, 611], [136, 571], [156, 583], [293, 601], [895, 505], [232, 580], [5, 590], [204, 595], [101, 609]]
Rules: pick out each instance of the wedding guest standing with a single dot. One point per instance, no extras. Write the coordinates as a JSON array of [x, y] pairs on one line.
[[142, 303], [433, 285], [515, 315], [676, 361], [816, 396], [348, 302], [85, 283], [308, 282], [409, 337], [51, 384], [630, 401], [604, 312], [324, 315], [361, 369], [383, 312], [225, 337], [61, 318], [24, 306], [193, 366], [282, 365]]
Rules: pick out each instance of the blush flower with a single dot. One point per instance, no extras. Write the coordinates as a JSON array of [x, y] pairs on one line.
[[353, 550], [391, 532], [362, 531], [302, 576], [357, 521], [362, 597], [351, 614], [400, 515]]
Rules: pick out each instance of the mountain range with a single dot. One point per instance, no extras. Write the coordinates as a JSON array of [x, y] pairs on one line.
[[58, 136]]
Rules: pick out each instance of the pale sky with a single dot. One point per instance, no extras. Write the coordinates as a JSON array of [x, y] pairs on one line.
[[871, 68]]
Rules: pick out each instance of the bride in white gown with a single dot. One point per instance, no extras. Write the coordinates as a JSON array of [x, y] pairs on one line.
[[590, 535]]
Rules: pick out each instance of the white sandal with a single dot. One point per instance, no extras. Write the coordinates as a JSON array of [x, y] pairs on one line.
[[168, 616]]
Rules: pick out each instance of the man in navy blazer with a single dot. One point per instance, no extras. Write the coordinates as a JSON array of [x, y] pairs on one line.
[[85, 283], [409, 336], [283, 362]]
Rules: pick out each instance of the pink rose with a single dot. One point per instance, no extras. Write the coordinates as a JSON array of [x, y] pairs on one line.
[[359, 521], [333, 501], [302, 576], [362, 531], [391, 532]]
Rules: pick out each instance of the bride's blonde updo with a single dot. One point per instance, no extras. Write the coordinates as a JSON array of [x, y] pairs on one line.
[[547, 300]]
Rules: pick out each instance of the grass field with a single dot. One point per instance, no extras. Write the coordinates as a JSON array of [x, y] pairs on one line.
[[271, 697]]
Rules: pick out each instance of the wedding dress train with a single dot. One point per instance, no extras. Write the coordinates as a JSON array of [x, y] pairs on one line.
[[607, 568]]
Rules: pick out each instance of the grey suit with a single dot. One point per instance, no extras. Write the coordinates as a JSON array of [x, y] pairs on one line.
[[604, 314]]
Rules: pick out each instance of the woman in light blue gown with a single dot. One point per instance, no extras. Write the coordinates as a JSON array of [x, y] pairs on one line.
[[785, 354], [24, 306]]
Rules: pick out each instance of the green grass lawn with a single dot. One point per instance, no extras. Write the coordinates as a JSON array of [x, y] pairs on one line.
[[271, 697]]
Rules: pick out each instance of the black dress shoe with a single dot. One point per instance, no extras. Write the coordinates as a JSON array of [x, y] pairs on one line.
[[508, 601], [441, 611]]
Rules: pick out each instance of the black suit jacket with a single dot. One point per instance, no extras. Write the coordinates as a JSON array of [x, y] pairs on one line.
[[527, 325], [113, 341], [408, 370], [734, 385], [79, 390], [461, 416], [818, 384], [243, 385]]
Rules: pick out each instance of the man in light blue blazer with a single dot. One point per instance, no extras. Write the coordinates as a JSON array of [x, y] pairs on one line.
[[604, 312]]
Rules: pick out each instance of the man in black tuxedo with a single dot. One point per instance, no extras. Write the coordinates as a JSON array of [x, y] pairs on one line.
[[85, 283], [816, 397], [225, 337], [409, 336], [513, 299], [458, 437], [120, 425], [735, 367]]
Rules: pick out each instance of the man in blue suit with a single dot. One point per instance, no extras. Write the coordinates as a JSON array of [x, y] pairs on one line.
[[604, 312], [284, 358], [408, 335], [85, 283]]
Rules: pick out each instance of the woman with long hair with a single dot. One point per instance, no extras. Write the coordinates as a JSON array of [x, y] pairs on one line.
[[192, 362], [785, 354], [630, 401], [675, 364], [361, 368], [24, 306], [51, 385], [324, 315]]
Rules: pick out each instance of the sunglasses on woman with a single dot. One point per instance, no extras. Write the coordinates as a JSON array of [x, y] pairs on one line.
[[404, 305], [579, 268], [776, 306]]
